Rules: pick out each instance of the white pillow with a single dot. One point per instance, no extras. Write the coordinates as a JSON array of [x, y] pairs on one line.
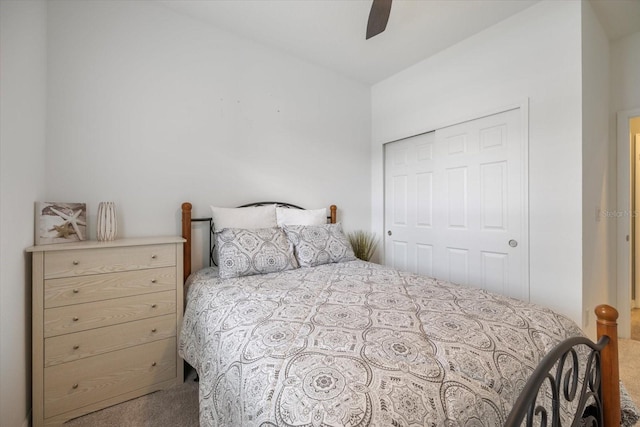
[[292, 216], [247, 218]]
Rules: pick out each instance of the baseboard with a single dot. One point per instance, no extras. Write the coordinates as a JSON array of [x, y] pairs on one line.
[[27, 421]]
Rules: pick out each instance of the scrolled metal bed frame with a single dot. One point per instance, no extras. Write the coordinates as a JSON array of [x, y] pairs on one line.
[[598, 400], [597, 403]]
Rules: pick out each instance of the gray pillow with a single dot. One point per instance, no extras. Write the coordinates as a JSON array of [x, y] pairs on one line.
[[319, 244], [244, 252]]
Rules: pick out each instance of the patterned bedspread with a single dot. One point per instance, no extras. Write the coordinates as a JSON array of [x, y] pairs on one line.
[[359, 344]]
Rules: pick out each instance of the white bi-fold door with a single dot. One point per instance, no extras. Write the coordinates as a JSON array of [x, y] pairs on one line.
[[455, 204]]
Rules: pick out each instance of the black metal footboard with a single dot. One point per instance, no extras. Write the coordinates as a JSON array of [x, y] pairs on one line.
[[567, 381]]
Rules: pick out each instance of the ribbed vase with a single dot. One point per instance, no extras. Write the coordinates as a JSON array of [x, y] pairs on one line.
[[106, 224]]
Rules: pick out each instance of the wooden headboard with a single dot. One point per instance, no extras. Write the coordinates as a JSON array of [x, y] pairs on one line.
[[187, 220]]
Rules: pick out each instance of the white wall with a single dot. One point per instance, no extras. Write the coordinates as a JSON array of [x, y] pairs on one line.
[[22, 150], [625, 74], [535, 55], [598, 179], [150, 108]]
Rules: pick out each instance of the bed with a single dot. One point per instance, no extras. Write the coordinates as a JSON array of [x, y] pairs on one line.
[[344, 342]]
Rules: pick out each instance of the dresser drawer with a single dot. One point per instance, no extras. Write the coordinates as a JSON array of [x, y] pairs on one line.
[[79, 345], [80, 317], [80, 289], [76, 384], [107, 260]]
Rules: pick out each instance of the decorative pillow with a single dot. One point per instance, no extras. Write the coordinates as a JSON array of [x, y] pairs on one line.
[[319, 244], [247, 218], [244, 252], [292, 216]]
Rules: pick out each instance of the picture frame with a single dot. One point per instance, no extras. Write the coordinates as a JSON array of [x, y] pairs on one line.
[[60, 222]]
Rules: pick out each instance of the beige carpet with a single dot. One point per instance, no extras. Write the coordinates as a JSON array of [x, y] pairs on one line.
[[629, 357], [635, 324]]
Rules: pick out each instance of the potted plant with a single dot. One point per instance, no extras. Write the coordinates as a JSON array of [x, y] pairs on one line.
[[363, 243]]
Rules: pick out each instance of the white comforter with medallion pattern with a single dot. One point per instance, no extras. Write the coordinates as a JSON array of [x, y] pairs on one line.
[[358, 344]]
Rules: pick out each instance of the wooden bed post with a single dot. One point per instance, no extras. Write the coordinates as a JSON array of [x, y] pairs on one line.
[[186, 234], [608, 326], [333, 209]]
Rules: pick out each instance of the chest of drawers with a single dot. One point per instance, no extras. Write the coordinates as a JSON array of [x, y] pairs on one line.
[[105, 322]]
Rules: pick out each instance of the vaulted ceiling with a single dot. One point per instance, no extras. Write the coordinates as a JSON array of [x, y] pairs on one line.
[[331, 33]]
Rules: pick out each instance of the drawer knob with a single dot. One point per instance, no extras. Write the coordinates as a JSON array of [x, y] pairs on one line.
[[75, 386], [154, 305], [153, 364], [153, 280], [154, 330], [75, 291], [154, 256], [75, 262], [75, 319], [75, 347]]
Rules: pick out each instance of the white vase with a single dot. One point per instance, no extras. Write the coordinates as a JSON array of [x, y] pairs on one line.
[[106, 224]]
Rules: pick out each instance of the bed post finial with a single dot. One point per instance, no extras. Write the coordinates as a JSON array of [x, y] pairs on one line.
[[333, 209], [186, 234], [607, 325]]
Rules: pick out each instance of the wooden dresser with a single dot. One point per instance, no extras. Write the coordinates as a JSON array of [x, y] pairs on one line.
[[105, 321]]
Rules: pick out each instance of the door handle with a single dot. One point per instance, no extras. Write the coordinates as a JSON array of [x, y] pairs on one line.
[[389, 233], [513, 243]]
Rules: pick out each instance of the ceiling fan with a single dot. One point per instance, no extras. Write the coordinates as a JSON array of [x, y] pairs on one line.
[[378, 17]]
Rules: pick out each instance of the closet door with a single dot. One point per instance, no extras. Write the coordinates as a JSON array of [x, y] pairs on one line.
[[456, 204]]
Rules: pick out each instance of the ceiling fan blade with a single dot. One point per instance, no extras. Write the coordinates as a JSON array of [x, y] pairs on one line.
[[378, 17]]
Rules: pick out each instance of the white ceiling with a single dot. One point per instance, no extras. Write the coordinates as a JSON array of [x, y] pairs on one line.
[[331, 33]]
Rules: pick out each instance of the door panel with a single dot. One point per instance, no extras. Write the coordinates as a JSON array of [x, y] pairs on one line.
[[495, 271], [458, 268], [454, 200], [399, 255], [424, 202], [409, 197], [493, 189], [424, 259]]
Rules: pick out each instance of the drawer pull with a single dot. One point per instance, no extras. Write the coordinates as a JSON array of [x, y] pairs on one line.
[[75, 319], [154, 305], [154, 256], [154, 330], [153, 364], [153, 280], [75, 262], [75, 291], [75, 347], [75, 386]]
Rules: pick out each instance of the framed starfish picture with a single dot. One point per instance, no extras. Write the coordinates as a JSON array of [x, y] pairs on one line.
[[58, 222]]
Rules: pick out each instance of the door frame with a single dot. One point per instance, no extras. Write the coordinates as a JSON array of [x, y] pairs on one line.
[[523, 107], [623, 225], [635, 287]]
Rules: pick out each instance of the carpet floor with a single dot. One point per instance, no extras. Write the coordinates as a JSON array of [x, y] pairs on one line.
[[629, 358]]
